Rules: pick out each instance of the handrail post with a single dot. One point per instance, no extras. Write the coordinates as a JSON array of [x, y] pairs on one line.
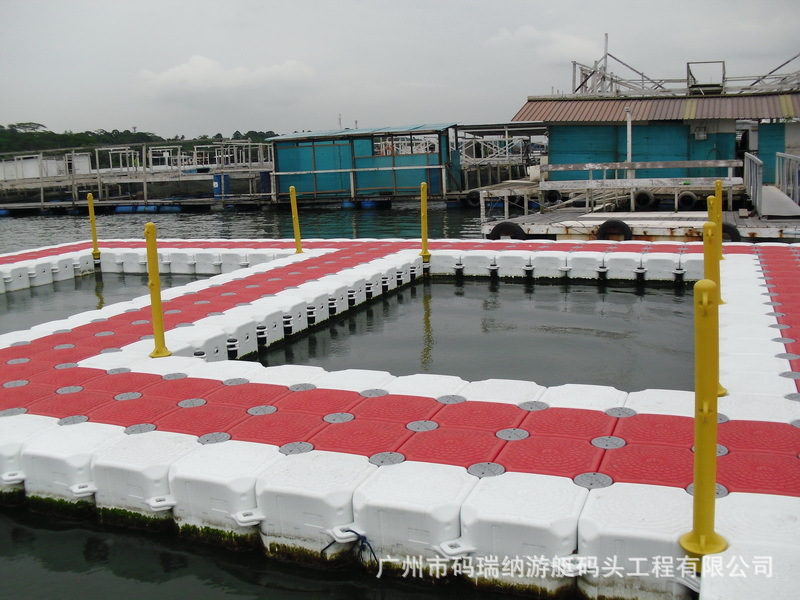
[[154, 283], [702, 539], [93, 226], [425, 254], [711, 272], [295, 220]]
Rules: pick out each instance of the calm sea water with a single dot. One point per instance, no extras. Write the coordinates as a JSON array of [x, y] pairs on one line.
[[621, 336]]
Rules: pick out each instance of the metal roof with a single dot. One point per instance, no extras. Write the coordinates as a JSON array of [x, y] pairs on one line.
[[683, 108], [350, 133]]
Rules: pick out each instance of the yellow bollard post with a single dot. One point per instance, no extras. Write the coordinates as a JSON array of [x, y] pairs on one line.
[[718, 220], [713, 217], [702, 539], [93, 225], [154, 283], [295, 221], [423, 196], [711, 268]]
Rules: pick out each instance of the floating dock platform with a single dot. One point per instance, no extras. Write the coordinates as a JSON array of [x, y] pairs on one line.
[[508, 484]]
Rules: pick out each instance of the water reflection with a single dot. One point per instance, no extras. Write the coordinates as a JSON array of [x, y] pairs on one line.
[[483, 330]]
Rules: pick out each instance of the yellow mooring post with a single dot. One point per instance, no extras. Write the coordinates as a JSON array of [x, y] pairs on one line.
[[711, 273], [154, 283], [93, 225], [718, 219], [423, 197], [702, 539], [295, 221]]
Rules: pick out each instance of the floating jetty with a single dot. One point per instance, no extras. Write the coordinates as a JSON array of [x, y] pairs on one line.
[[508, 484]]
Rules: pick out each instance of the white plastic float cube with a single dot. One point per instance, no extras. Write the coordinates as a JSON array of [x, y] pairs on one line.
[[514, 263], [301, 500], [622, 265], [188, 341], [295, 308], [408, 510], [336, 293], [585, 265], [444, 262], [427, 385], [692, 266], [590, 397], [290, 375], [57, 462], [372, 279], [207, 262], [523, 521], [267, 318], [628, 538], [660, 266], [550, 264], [239, 328], [233, 259], [111, 260], [15, 276], [134, 261], [82, 263], [503, 391], [62, 268], [181, 262], [215, 481], [478, 263], [355, 380], [16, 428], [132, 473], [40, 271], [356, 286], [388, 272]]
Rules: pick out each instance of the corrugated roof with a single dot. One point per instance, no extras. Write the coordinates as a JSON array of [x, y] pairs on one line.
[[348, 133], [612, 110]]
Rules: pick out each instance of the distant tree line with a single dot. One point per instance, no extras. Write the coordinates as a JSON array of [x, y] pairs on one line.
[[35, 137]]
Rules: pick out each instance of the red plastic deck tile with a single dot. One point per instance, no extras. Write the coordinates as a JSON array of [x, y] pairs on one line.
[[562, 457], [62, 405], [65, 353], [120, 383], [19, 351], [361, 436], [23, 368], [760, 473], [759, 436], [184, 388], [489, 416], [247, 395], [649, 464], [146, 409], [203, 419], [667, 430], [278, 428], [569, 422], [14, 395], [396, 408], [100, 342], [462, 447], [58, 378], [319, 401]]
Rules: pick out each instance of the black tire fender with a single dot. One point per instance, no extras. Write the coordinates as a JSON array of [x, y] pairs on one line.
[[687, 200], [552, 196], [643, 199], [507, 229], [730, 233], [472, 199], [614, 227]]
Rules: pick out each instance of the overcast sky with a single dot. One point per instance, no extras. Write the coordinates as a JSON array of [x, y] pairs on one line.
[[216, 66]]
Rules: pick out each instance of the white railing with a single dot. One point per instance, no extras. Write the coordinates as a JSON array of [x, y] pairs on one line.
[[753, 179], [787, 175]]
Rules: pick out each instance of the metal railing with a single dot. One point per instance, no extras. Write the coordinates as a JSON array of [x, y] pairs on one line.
[[754, 179], [787, 175]]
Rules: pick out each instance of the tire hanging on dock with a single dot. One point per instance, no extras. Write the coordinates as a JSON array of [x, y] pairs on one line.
[[730, 233], [687, 200], [507, 229], [644, 200], [552, 196], [472, 199], [615, 228]]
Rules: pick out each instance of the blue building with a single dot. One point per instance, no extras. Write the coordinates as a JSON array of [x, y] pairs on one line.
[[354, 165], [585, 129]]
